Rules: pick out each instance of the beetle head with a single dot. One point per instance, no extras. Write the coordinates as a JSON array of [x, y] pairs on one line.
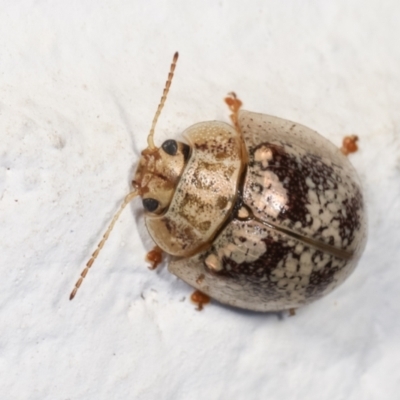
[[158, 173]]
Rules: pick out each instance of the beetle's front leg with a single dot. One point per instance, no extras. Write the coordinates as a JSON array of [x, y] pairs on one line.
[[349, 145], [154, 257], [234, 105]]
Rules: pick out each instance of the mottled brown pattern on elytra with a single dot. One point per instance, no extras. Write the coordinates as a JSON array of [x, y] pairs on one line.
[[258, 273], [350, 223], [261, 271], [262, 267], [292, 173], [348, 218], [320, 280], [286, 269]]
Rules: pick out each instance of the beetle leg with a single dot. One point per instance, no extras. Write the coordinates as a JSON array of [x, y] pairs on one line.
[[200, 299], [154, 257], [234, 105], [349, 145], [292, 312]]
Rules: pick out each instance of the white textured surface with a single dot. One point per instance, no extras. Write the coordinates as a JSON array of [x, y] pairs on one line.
[[80, 81]]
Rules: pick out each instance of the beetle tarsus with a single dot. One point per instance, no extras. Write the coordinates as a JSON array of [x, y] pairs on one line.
[[200, 299], [234, 105], [154, 257], [349, 145]]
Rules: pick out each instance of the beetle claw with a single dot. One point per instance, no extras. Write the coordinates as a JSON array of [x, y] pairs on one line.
[[349, 144]]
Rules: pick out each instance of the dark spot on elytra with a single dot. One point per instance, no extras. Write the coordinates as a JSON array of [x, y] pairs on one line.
[[292, 172], [264, 265]]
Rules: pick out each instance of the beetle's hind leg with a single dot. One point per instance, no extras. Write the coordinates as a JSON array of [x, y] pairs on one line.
[[154, 257], [200, 299], [349, 145], [234, 105]]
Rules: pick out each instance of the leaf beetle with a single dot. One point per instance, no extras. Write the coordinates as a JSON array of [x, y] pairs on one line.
[[264, 214]]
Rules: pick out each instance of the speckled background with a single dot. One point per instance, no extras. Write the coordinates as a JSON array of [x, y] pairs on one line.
[[80, 82]]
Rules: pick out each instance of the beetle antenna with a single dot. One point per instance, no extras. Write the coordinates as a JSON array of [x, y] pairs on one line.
[[126, 201], [150, 140]]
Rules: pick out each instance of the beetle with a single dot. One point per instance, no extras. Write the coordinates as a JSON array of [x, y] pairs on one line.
[[264, 214]]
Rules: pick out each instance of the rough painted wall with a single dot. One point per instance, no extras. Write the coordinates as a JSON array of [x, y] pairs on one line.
[[79, 85]]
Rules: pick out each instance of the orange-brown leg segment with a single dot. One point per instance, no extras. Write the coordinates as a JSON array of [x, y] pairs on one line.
[[154, 257], [349, 145], [234, 105], [292, 312], [200, 299]]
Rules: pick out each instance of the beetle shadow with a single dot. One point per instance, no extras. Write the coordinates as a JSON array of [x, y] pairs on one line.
[[279, 315]]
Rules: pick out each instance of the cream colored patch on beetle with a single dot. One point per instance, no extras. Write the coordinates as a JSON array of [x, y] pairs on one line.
[[243, 213], [323, 208], [292, 274], [244, 246], [213, 262], [273, 197], [263, 155]]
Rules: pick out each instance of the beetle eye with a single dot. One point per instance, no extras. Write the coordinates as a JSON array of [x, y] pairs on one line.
[[170, 147], [150, 204]]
